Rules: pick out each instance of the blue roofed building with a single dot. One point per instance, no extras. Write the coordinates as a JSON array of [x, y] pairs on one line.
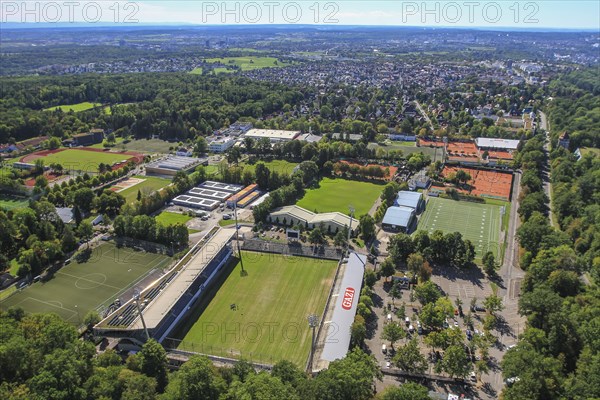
[[398, 219], [413, 200]]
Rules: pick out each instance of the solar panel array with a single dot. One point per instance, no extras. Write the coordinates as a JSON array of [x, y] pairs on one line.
[[225, 187]]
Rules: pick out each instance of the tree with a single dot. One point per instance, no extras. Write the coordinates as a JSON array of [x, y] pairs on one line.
[[387, 268], [406, 391], [400, 247], [340, 239], [68, 241], [201, 146], [153, 362], [349, 378], [139, 195], [260, 386], [358, 331], [415, 263], [91, 318], [395, 293], [427, 292], [83, 199], [425, 272], [196, 379], [393, 332], [316, 236], [367, 227], [409, 358], [233, 155], [288, 372], [370, 278], [455, 362], [489, 263], [85, 231], [262, 174], [493, 303]]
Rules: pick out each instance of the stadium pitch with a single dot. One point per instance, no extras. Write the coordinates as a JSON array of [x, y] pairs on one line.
[[261, 315], [480, 223], [80, 287]]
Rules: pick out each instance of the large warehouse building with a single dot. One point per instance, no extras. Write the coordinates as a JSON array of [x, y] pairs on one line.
[[274, 135], [171, 165], [401, 216], [207, 196], [413, 200]]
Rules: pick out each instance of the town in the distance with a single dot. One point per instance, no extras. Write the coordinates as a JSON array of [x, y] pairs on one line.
[[296, 212]]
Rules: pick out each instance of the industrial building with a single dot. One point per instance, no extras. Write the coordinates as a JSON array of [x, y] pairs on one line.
[[171, 165], [221, 145], [196, 202], [244, 196], [274, 135], [209, 194], [223, 187]]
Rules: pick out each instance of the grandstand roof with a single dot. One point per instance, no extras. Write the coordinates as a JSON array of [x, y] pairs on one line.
[[398, 216], [495, 143], [345, 309], [161, 305], [408, 199], [311, 217]]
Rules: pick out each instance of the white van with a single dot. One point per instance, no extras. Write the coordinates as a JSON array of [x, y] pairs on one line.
[[383, 349], [389, 317], [411, 328], [407, 321]]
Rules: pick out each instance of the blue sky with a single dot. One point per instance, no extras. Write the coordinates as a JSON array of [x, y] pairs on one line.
[[462, 13]]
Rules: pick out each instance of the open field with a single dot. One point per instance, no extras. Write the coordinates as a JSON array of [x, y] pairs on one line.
[[338, 194], [261, 316], [480, 223], [10, 202], [74, 107], [281, 166], [80, 287], [147, 186], [248, 63], [169, 218], [77, 159]]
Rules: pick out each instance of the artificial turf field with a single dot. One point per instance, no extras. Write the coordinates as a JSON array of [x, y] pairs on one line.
[[78, 288], [262, 316], [339, 194], [480, 223], [74, 159]]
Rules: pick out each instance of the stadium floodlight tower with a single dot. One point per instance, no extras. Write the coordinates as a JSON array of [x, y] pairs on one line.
[[237, 235], [351, 208], [136, 299], [313, 322]]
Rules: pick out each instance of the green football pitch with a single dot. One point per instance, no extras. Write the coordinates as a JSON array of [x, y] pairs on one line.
[[339, 194], [82, 160], [261, 315], [480, 223], [80, 287]]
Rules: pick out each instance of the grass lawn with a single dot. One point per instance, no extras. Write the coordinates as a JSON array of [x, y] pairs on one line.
[[147, 187], [75, 107], [147, 146], [226, 222], [169, 218], [80, 287], [9, 202], [74, 159], [281, 166], [196, 71], [272, 301], [480, 223], [248, 63], [406, 149], [338, 194]]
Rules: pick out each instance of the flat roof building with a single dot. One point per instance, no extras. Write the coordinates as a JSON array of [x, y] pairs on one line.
[[196, 202], [173, 164], [274, 135], [398, 219], [221, 145], [494, 143], [413, 200], [209, 194], [223, 187]]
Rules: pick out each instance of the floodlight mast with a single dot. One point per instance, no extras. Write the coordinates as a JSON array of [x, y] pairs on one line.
[[136, 299], [237, 235], [313, 322]]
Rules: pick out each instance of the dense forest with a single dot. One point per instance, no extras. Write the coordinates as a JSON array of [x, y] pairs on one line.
[[558, 354]]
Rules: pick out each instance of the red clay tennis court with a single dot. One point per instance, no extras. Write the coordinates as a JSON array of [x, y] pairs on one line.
[[486, 183]]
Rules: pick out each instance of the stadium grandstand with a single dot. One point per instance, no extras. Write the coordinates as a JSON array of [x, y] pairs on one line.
[[166, 301]]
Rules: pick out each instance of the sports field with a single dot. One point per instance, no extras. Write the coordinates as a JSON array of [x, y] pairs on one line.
[[147, 186], [281, 166], [338, 194], [480, 223], [77, 159], [168, 218], [262, 315], [74, 107], [80, 287], [10, 202]]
